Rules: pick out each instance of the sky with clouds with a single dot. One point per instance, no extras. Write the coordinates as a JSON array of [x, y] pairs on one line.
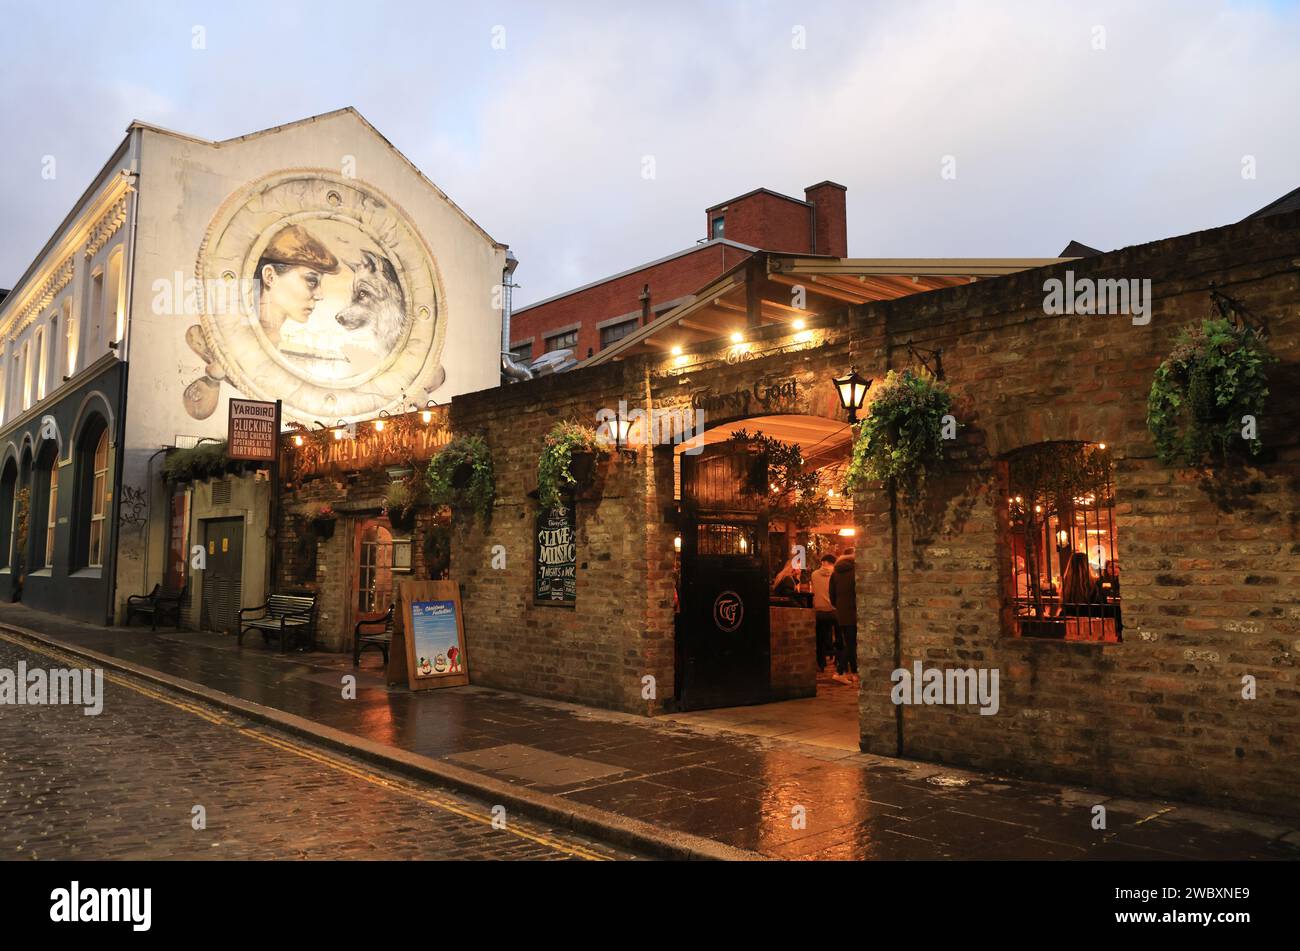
[[544, 141]]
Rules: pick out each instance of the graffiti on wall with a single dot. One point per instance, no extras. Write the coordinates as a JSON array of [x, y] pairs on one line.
[[334, 304]]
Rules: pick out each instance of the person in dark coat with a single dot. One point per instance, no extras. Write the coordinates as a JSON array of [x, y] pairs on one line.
[[844, 597]]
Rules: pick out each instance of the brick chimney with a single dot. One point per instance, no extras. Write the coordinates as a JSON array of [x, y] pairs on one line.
[[830, 222]]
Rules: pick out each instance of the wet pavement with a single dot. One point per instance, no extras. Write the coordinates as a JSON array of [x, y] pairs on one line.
[[159, 776], [780, 798]]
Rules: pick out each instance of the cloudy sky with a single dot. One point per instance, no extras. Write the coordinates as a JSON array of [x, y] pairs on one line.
[[1110, 123]]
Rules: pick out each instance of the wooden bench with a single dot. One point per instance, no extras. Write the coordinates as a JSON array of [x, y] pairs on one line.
[[379, 635], [284, 615], [158, 604]]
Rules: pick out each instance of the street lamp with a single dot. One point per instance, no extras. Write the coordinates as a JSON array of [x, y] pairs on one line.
[[852, 390]]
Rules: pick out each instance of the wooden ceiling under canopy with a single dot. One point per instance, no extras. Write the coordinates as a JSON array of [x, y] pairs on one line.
[[763, 290]]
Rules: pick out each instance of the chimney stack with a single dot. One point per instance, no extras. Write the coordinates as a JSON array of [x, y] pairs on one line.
[[830, 221]]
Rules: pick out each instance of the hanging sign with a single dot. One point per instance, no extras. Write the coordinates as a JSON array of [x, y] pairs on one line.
[[254, 429], [555, 579]]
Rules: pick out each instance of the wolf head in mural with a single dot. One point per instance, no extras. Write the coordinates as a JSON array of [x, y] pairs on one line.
[[377, 308]]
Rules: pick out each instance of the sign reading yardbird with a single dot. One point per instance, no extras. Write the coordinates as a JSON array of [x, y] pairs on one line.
[[254, 428]]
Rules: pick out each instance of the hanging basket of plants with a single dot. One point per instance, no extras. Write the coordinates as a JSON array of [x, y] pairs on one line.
[[461, 476], [323, 520], [568, 460], [1209, 393], [399, 505], [901, 438]]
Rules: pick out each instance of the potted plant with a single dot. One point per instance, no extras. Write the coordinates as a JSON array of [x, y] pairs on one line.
[[399, 505], [323, 519], [569, 453], [1208, 392], [461, 475], [901, 438], [779, 478]]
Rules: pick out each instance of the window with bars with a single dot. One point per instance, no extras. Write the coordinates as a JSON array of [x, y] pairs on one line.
[[616, 332], [1062, 562], [561, 341]]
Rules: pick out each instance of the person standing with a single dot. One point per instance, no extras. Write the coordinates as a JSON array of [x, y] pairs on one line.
[[844, 596], [821, 588]]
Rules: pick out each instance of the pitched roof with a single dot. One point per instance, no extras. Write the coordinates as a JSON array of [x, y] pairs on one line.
[[1288, 202]]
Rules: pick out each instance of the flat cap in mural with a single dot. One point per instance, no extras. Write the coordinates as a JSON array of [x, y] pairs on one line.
[[295, 245]]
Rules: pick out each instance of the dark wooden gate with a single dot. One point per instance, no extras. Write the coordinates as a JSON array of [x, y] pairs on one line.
[[723, 638]]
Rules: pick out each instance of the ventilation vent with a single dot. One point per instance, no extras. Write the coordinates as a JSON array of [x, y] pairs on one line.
[[221, 492]]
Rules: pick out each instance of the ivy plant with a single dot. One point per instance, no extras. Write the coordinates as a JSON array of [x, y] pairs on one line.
[[554, 465], [901, 438], [1216, 375], [479, 491], [207, 460]]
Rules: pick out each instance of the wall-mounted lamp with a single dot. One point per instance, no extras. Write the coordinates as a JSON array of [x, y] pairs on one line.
[[853, 391], [381, 421], [426, 414], [1062, 538], [677, 543], [622, 427], [297, 439]]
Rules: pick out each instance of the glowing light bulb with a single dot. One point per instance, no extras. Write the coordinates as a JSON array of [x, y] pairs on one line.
[[297, 440], [379, 425], [737, 337], [677, 351], [798, 324]]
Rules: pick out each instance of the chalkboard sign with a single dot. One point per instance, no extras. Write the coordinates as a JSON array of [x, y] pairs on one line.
[[556, 579]]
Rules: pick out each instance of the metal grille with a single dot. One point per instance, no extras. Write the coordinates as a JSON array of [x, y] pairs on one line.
[[1064, 555], [221, 492]]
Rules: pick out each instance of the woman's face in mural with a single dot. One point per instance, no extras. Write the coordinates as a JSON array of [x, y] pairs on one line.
[[289, 292]]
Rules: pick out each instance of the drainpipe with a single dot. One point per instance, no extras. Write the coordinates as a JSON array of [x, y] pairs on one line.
[[898, 624], [645, 305], [509, 369]]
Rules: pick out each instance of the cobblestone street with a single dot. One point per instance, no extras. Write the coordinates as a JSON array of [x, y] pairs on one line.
[[124, 784]]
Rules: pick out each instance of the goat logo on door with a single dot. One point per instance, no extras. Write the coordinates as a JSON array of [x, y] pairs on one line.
[[728, 611], [328, 299]]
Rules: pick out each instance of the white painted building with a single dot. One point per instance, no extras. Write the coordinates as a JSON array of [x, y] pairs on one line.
[[310, 263]]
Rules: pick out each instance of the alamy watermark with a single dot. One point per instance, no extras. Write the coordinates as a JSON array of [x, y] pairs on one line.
[[58, 685], [955, 686], [1103, 296], [667, 426]]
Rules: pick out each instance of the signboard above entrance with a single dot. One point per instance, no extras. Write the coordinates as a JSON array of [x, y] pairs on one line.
[[254, 430]]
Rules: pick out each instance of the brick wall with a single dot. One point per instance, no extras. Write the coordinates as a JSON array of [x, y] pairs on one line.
[[1211, 591], [620, 630], [1210, 584]]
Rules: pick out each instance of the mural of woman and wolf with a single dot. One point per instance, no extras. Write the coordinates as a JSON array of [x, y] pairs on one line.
[[329, 300]]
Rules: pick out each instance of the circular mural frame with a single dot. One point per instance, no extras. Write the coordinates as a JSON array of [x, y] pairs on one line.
[[367, 327]]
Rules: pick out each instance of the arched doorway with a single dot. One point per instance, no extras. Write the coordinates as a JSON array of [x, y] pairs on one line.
[[373, 558], [748, 516]]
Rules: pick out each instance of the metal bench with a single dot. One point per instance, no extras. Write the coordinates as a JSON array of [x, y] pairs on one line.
[[284, 615], [375, 630], [157, 605]]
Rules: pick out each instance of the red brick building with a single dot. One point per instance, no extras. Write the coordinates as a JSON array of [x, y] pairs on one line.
[[590, 318]]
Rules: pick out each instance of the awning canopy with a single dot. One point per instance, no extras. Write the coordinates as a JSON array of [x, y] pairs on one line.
[[769, 288]]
